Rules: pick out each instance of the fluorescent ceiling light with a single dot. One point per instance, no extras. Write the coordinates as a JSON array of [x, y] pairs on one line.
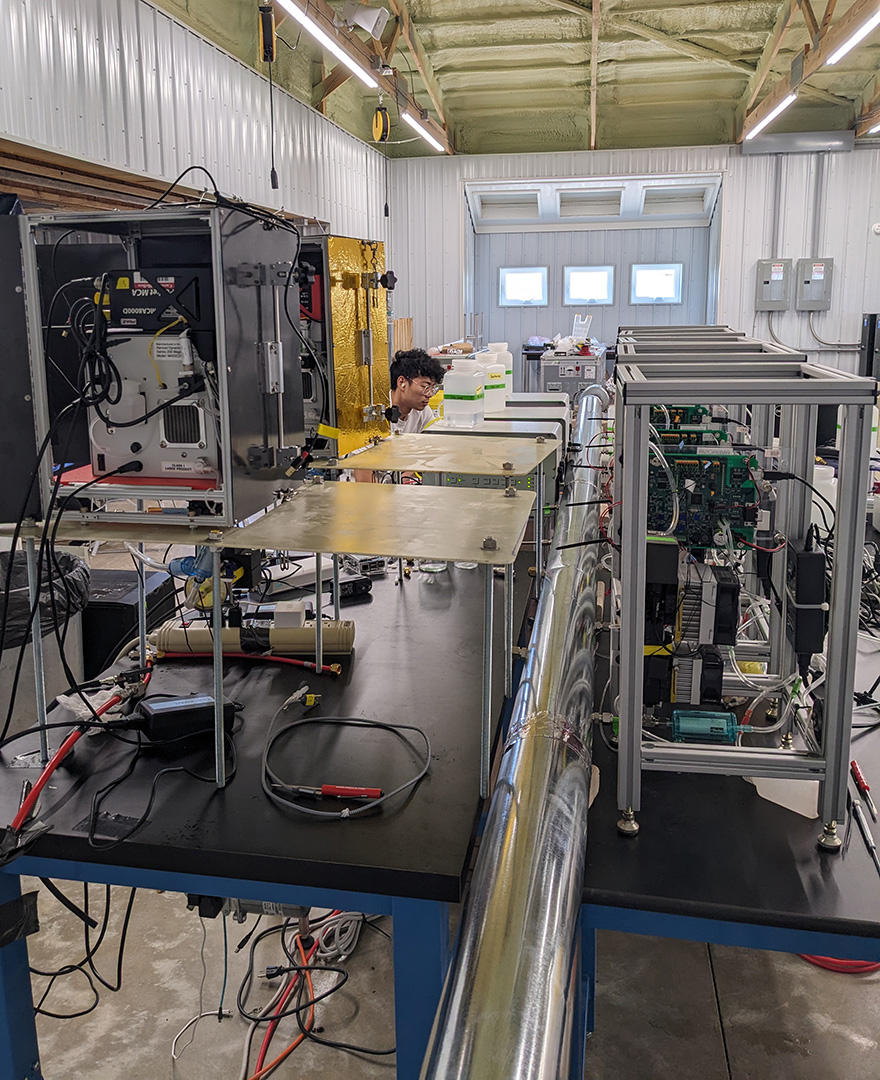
[[850, 43], [771, 116], [874, 129], [426, 135], [308, 23]]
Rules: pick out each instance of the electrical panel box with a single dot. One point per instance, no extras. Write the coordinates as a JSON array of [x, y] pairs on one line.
[[813, 292], [773, 285]]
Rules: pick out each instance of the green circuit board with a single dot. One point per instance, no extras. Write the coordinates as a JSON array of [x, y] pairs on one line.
[[712, 486], [678, 415]]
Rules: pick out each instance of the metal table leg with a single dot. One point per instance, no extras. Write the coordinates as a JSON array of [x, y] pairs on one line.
[[37, 646], [142, 602], [319, 624], [486, 718], [19, 1052], [421, 959], [509, 632], [539, 525], [219, 733], [336, 587]]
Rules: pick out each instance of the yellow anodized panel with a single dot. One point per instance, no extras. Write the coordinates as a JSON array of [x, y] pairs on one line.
[[347, 261]]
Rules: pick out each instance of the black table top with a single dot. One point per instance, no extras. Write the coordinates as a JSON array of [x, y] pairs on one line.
[[417, 660], [711, 847]]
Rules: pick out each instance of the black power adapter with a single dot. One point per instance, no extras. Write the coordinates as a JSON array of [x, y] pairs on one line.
[[167, 719]]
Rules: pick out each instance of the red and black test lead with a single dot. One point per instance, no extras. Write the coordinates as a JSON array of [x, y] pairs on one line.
[[337, 791]]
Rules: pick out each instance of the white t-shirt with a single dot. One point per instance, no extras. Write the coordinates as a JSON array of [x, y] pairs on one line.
[[416, 420]]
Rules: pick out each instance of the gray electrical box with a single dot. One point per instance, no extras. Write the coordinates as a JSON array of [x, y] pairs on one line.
[[813, 292], [773, 285]]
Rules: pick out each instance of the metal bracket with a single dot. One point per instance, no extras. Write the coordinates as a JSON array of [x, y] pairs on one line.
[[246, 274], [279, 273]]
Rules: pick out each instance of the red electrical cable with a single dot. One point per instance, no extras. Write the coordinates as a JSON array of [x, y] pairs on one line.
[[59, 756], [843, 967], [326, 669]]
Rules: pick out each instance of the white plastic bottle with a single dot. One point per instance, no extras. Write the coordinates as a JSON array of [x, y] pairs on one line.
[[504, 357], [824, 481], [495, 384], [463, 394]]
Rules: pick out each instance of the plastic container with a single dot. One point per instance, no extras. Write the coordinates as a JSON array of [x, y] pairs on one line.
[[504, 357], [432, 566], [800, 796], [825, 482], [463, 394], [495, 382]]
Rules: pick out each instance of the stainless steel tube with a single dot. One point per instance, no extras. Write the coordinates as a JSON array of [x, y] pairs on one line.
[[502, 1014], [37, 647], [219, 730]]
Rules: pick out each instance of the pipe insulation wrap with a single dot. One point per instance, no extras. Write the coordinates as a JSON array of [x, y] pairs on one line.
[[506, 1008], [285, 641]]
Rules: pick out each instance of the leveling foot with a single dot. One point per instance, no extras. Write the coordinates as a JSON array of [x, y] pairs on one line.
[[828, 839], [628, 826]]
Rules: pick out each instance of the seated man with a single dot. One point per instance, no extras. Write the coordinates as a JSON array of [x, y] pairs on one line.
[[415, 378]]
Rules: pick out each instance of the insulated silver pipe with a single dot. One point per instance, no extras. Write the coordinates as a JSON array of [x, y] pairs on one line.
[[502, 1014]]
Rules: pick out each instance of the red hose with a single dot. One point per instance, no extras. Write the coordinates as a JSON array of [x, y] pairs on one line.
[[59, 756], [326, 669], [843, 967]]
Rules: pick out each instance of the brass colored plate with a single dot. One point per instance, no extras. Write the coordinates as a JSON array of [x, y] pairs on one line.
[[478, 455], [74, 527], [395, 520], [348, 261]]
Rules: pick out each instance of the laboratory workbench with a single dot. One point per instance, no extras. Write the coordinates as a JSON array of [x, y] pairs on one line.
[[418, 660]]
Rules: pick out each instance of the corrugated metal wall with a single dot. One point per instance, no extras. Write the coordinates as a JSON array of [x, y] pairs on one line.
[[619, 248], [121, 82], [429, 205]]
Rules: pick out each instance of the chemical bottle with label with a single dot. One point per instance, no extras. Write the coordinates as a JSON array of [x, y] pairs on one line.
[[504, 357], [495, 384], [463, 394]]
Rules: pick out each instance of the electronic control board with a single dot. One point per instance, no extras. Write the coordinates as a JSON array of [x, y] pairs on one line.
[[713, 487]]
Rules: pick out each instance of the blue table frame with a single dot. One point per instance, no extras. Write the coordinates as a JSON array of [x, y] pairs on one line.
[[420, 942], [596, 917]]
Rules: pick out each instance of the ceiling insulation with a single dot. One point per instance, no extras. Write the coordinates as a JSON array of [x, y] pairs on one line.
[[516, 74]]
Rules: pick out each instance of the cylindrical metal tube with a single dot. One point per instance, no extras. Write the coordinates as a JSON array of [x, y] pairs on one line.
[[503, 1010], [338, 638], [142, 601], [486, 710], [319, 605], [217, 650], [37, 646]]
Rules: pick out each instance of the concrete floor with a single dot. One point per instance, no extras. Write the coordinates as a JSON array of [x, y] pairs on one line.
[[666, 1010]]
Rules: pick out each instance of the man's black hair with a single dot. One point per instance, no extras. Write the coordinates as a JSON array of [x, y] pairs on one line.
[[415, 364]]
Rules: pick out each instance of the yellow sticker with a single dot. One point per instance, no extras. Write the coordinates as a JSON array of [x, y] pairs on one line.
[[328, 432], [123, 283]]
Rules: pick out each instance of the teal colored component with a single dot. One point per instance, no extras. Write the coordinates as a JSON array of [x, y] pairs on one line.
[[693, 726]]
